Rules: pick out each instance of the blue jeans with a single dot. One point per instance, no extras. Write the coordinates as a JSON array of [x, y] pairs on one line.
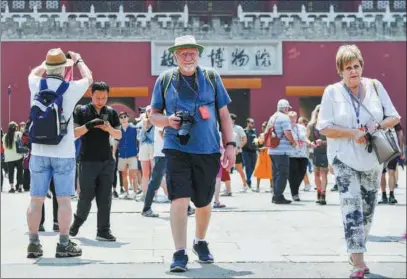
[[249, 159], [155, 181], [281, 170], [61, 169]]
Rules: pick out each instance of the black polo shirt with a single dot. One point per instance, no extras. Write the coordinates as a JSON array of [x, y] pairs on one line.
[[95, 143]]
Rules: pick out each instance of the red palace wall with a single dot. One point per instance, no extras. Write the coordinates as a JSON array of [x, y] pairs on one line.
[[127, 64]]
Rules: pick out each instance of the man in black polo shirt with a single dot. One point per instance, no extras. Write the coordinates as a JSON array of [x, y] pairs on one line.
[[95, 123]]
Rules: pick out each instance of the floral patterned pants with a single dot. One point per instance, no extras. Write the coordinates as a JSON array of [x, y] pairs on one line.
[[358, 196]]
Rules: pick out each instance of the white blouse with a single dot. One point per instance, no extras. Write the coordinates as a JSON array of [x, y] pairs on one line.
[[300, 134], [337, 110]]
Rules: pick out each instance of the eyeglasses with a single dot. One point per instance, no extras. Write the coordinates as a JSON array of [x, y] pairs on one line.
[[123, 117], [185, 55]]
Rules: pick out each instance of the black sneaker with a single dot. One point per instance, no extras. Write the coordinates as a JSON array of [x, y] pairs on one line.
[[322, 201], [202, 251], [179, 262], [281, 201], [74, 229], [318, 198], [335, 188], [70, 250], [191, 211], [20, 190], [296, 198], [55, 227], [150, 213], [41, 228], [384, 199], [12, 190], [34, 250], [105, 236], [115, 194], [121, 190], [392, 199]]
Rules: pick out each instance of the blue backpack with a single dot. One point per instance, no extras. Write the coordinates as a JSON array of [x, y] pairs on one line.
[[48, 125]]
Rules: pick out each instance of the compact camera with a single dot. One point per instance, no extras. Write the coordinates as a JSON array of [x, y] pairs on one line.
[[187, 120]]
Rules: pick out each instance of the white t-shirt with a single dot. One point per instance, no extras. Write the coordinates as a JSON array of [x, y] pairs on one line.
[[239, 134], [11, 155], [76, 90], [158, 142], [337, 110], [299, 134]]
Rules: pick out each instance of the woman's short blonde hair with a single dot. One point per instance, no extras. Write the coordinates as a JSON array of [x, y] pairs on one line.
[[346, 54]]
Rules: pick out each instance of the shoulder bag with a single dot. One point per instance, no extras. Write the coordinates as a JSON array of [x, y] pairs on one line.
[[384, 141], [271, 140]]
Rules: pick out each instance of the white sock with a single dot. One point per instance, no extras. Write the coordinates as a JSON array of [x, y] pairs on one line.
[[196, 240]]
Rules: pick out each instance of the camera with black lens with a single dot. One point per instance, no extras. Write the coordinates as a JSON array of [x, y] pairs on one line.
[[68, 56], [187, 120]]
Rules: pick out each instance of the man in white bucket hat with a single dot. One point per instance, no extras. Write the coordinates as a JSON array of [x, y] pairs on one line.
[[188, 101]]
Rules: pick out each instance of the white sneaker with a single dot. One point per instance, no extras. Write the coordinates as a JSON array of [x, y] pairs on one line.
[[162, 199], [245, 189], [126, 196], [131, 187], [307, 187]]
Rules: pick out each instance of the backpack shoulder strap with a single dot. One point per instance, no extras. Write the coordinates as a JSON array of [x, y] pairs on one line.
[[43, 84], [210, 75], [62, 88], [165, 83]]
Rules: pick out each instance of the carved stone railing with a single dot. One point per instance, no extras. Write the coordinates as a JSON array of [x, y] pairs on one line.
[[151, 25]]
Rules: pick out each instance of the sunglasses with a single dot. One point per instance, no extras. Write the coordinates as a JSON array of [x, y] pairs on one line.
[[123, 117]]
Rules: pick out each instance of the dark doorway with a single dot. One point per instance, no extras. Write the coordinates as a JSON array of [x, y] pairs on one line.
[[240, 105], [307, 105]]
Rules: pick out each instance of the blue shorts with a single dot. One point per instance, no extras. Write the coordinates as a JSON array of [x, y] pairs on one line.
[[61, 169]]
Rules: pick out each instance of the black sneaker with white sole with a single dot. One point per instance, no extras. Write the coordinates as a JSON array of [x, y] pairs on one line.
[[105, 236], [68, 251], [34, 250], [74, 229], [201, 249]]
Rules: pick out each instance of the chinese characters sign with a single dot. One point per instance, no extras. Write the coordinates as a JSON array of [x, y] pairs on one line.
[[228, 58]]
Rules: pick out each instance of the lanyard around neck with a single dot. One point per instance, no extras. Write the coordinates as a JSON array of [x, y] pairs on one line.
[[356, 108]]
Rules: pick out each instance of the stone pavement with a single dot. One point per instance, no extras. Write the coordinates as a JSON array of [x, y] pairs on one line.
[[251, 237]]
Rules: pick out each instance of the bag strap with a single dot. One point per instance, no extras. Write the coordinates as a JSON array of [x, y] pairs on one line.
[[43, 84], [361, 104], [62, 88], [165, 83], [211, 77], [377, 93]]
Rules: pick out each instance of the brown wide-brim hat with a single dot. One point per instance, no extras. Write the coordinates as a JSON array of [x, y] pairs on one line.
[[56, 59], [187, 41]]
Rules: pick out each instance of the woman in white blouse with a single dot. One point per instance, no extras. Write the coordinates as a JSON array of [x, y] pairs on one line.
[[344, 122]]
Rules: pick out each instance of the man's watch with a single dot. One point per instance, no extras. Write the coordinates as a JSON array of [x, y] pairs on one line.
[[232, 143]]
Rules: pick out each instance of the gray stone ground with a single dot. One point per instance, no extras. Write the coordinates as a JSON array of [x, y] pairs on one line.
[[250, 238]]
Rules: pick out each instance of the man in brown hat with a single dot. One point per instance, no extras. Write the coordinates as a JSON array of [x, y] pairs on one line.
[[54, 159], [192, 103]]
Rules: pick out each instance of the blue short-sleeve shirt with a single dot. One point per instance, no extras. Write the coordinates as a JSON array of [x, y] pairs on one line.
[[182, 94]]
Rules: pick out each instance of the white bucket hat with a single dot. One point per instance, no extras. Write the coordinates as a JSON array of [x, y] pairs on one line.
[[186, 41]]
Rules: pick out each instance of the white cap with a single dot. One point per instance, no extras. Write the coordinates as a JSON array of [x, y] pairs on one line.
[[283, 103]]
